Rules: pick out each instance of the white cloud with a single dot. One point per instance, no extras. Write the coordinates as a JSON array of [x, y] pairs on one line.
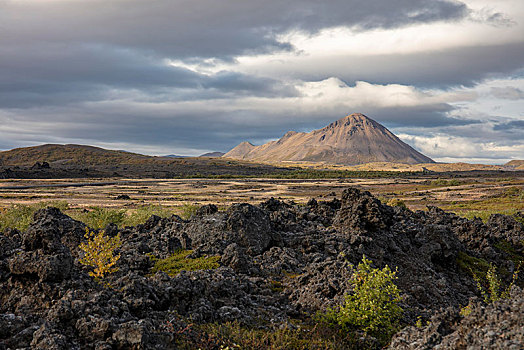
[[447, 148], [346, 50]]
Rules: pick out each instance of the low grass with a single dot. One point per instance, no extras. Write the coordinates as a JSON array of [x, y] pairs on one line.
[[484, 214], [19, 216], [180, 261], [232, 335], [187, 210], [473, 265], [509, 202], [141, 214], [507, 248], [309, 174], [98, 217]]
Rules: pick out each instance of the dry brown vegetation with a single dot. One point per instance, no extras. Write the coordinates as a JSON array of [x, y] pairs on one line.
[[132, 201]]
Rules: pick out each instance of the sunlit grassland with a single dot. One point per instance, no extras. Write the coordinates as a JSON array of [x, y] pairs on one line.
[[508, 202], [19, 216], [96, 207]]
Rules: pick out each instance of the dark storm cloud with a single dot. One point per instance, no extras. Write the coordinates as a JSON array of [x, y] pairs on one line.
[[507, 133], [201, 127], [193, 129], [238, 83], [206, 28], [514, 125], [69, 51], [91, 64], [58, 74], [420, 116], [48, 74]]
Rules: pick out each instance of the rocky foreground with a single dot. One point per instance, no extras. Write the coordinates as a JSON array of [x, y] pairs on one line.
[[278, 261]]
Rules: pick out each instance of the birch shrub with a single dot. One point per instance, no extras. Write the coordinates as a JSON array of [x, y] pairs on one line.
[[99, 253], [373, 304]]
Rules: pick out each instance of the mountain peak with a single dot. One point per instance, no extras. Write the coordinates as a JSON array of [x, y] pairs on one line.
[[356, 116], [355, 119], [354, 139], [239, 151]]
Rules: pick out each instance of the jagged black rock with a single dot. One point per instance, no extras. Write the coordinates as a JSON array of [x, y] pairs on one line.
[[48, 301]]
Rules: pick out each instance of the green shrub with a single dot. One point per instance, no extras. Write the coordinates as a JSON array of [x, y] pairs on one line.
[[395, 202], [443, 182], [276, 286], [373, 304], [179, 261], [466, 310]]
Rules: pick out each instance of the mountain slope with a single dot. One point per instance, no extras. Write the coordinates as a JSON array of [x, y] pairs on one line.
[[354, 139], [241, 151]]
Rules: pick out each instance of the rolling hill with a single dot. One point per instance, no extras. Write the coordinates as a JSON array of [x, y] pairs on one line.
[[515, 164], [81, 161], [70, 154]]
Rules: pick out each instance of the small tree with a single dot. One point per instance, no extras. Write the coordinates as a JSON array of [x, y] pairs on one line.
[[373, 305], [493, 293], [99, 253]]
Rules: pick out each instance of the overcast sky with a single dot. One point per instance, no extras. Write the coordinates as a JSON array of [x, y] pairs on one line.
[[192, 76]]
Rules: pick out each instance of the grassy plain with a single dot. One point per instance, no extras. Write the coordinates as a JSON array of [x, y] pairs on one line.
[[131, 201]]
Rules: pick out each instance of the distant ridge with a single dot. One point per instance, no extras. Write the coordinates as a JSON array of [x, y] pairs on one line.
[[212, 154], [69, 154], [57, 161], [354, 139], [174, 156]]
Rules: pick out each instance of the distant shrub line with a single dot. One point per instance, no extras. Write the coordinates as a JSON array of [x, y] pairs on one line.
[[309, 174]]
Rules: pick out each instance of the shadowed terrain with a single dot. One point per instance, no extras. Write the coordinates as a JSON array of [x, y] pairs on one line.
[[79, 161]]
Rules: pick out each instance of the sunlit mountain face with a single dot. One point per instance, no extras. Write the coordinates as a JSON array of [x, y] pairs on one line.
[[354, 139]]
